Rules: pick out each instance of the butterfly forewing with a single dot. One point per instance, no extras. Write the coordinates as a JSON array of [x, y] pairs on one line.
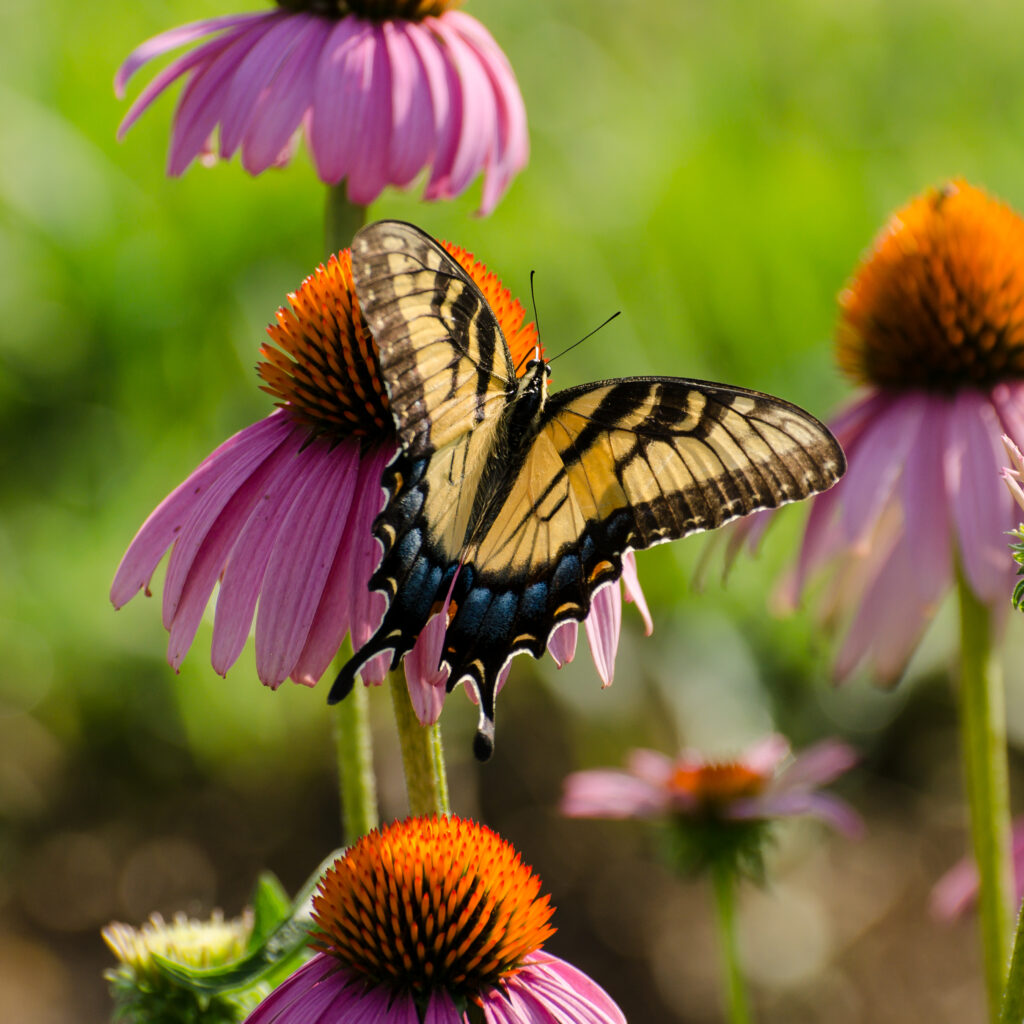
[[445, 364], [615, 466]]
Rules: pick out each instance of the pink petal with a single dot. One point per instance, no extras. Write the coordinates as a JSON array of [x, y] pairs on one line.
[[367, 174], [301, 561], [510, 148], [823, 806], [423, 672], [563, 994], [367, 606], [201, 105], [633, 592], [165, 523], [174, 38], [200, 56], [466, 153], [247, 564], [765, 756], [280, 109], [211, 558], [255, 73], [562, 643], [602, 625], [875, 463], [193, 534], [342, 74], [818, 765], [412, 115], [928, 536], [982, 509], [651, 766], [611, 794]]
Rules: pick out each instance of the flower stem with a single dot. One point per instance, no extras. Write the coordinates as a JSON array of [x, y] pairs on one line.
[[723, 879], [426, 781], [354, 751], [342, 219], [1013, 998], [983, 738]]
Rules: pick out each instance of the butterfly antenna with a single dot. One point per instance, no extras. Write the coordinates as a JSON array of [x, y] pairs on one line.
[[585, 336], [535, 354]]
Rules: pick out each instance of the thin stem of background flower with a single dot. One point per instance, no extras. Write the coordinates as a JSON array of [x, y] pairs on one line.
[[426, 780], [723, 880], [983, 737], [1013, 998], [356, 780]]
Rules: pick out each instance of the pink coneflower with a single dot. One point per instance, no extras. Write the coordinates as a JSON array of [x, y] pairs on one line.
[[383, 89], [281, 514], [424, 919], [932, 325], [762, 784]]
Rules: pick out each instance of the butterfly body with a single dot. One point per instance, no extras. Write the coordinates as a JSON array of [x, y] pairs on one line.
[[517, 506]]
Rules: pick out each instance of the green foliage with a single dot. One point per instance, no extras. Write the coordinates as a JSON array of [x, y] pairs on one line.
[[1017, 550], [693, 845]]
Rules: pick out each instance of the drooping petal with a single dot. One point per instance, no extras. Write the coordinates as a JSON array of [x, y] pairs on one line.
[[412, 114], [562, 642], [603, 625], [823, 806], [243, 576], [298, 570], [175, 37], [255, 73], [211, 558], [765, 756], [566, 993], [367, 175], [981, 506], [818, 765], [650, 765], [928, 533], [341, 73], [281, 106], [611, 794], [633, 592], [168, 519]]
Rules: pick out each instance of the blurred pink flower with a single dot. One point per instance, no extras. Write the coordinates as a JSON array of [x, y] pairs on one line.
[[382, 90], [933, 324], [761, 785], [281, 514], [478, 923], [957, 890]]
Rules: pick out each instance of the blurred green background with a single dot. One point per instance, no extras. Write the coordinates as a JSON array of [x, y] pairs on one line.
[[713, 170]]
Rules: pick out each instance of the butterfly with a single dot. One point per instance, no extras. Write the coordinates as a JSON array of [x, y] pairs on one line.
[[516, 505]]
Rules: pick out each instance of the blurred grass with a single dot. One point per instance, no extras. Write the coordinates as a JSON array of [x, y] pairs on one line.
[[713, 170]]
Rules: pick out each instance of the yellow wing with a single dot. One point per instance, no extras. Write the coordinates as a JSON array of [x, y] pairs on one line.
[[620, 465]]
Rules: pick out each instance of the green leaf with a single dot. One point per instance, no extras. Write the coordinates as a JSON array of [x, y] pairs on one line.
[[286, 927], [271, 906]]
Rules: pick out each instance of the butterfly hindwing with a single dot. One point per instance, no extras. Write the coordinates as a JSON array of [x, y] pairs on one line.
[[616, 466], [448, 376]]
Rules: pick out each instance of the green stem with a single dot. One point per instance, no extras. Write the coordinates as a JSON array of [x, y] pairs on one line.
[[724, 882], [422, 756], [354, 751], [342, 219], [983, 738], [1013, 998]]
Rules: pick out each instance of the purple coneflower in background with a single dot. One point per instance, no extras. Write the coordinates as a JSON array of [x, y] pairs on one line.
[[478, 923], [762, 784], [382, 88], [282, 513], [932, 324]]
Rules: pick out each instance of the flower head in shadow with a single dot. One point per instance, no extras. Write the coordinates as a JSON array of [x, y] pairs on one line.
[[434, 920], [382, 89]]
